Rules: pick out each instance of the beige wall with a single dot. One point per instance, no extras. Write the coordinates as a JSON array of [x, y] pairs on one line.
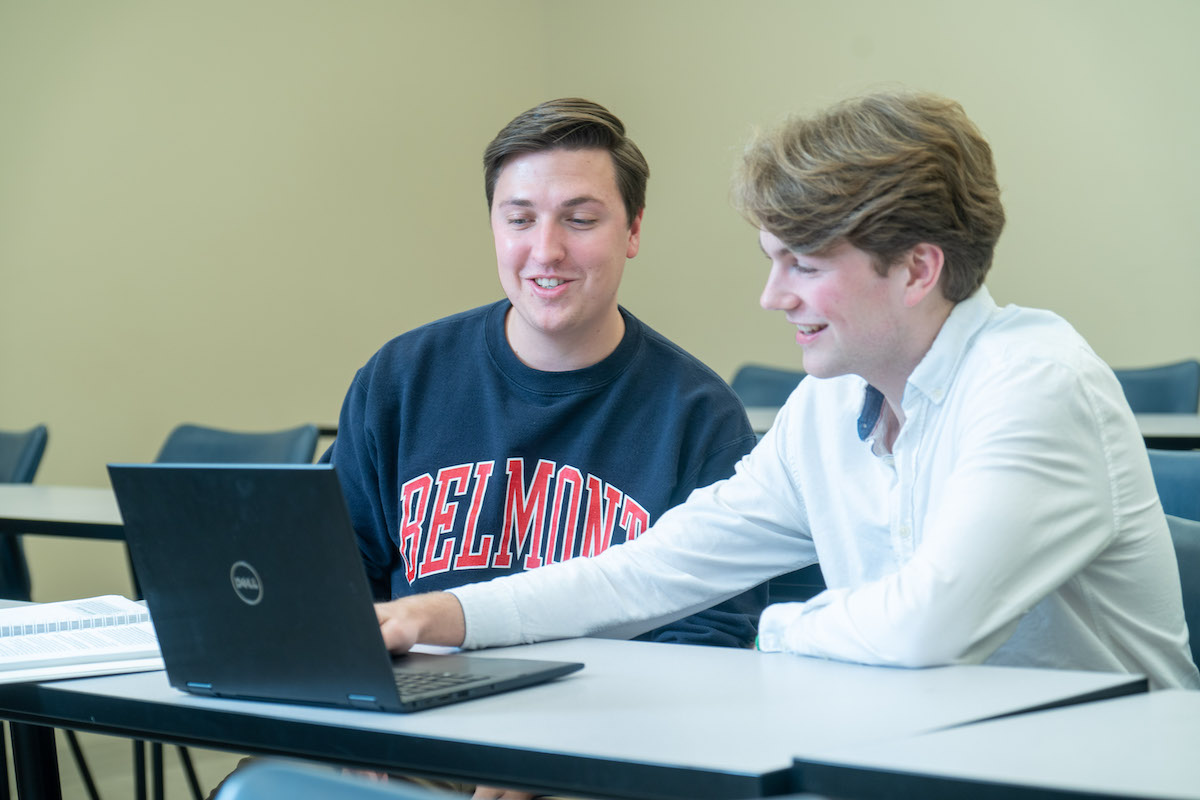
[[215, 211]]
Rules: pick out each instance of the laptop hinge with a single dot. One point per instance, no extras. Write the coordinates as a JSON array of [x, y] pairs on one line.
[[201, 688]]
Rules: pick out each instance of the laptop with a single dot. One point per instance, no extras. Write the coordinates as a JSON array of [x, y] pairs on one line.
[[257, 591]]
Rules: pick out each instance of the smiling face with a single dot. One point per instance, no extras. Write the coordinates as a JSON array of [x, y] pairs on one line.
[[849, 319], [562, 239]]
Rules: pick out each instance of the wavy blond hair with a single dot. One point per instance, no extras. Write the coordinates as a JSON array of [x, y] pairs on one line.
[[883, 173]]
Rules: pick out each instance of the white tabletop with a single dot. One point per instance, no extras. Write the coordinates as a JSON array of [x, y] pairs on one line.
[[637, 706], [59, 510], [1169, 426], [1136, 746], [761, 417]]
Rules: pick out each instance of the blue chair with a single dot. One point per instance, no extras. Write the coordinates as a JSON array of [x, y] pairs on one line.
[[757, 385], [200, 445], [1177, 478], [1185, 535], [268, 780], [20, 456], [1168, 389]]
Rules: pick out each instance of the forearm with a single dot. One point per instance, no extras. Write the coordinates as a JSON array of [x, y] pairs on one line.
[[698, 555]]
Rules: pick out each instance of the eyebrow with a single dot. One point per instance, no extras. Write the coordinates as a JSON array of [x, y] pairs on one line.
[[521, 202], [778, 252]]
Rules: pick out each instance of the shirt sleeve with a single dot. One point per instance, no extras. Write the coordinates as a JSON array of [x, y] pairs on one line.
[[1026, 507], [732, 535]]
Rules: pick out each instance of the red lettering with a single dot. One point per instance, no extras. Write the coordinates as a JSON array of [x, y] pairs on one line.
[[414, 497], [438, 551], [602, 503], [524, 514], [569, 480], [634, 519], [468, 556]]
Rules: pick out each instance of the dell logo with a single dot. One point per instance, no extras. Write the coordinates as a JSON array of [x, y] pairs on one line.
[[246, 583]]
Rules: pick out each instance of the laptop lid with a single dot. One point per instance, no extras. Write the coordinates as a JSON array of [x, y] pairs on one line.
[[254, 581]]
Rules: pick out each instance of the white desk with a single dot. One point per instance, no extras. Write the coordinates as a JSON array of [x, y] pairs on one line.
[[761, 417], [1142, 746], [640, 720], [60, 511], [1177, 431]]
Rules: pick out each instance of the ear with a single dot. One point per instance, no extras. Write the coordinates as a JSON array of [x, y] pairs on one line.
[[635, 235], [923, 265]]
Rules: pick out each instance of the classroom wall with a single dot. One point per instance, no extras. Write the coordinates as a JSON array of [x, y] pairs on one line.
[[216, 211]]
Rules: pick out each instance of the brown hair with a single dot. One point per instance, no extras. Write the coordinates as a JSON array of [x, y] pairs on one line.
[[883, 173], [573, 124]]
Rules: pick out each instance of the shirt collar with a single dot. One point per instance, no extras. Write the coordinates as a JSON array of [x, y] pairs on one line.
[[933, 375]]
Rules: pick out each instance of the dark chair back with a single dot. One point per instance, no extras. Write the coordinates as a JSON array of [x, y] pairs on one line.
[[200, 445], [757, 385], [196, 444], [796, 587], [269, 779], [20, 455], [1185, 535], [1168, 389], [1177, 477]]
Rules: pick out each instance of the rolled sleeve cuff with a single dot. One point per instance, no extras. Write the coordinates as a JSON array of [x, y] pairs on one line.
[[490, 615], [774, 625], [780, 627]]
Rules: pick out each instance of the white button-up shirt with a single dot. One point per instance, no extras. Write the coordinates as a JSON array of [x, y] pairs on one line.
[[1015, 521]]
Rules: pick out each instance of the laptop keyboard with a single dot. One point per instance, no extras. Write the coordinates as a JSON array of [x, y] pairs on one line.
[[417, 682]]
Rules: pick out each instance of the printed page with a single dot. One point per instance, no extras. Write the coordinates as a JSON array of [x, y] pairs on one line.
[[94, 629]]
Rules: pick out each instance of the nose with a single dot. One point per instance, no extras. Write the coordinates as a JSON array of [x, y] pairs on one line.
[[549, 246], [776, 296]]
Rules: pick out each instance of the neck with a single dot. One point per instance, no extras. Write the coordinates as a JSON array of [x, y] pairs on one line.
[[904, 363], [559, 353]]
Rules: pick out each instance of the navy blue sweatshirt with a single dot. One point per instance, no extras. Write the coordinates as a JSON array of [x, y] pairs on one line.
[[460, 464]]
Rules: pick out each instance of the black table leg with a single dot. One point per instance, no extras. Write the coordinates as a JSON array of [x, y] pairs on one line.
[[35, 762]]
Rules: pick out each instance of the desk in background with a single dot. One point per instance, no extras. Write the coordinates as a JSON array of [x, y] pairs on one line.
[[60, 511], [1141, 746], [1170, 431], [641, 720]]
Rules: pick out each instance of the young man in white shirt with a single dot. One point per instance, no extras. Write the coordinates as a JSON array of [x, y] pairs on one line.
[[969, 477]]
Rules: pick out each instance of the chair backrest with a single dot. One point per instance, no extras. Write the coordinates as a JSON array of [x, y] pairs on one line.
[[757, 385], [21, 453], [200, 445], [1168, 389], [1185, 535], [267, 780], [1177, 477]]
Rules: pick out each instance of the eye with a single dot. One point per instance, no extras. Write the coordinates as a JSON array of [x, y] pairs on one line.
[[519, 221], [581, 222]]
